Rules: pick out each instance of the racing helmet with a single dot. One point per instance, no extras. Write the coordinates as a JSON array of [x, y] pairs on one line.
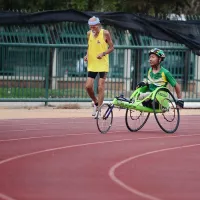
[[160, 53]]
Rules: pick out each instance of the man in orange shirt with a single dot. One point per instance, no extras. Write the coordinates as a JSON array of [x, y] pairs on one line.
[[99, 46]]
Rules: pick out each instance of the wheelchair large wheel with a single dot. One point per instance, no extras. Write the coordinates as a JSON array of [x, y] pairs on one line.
[[165, 110], [135, 119], [104, 117]]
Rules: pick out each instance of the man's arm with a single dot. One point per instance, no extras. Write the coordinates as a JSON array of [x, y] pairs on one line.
[[86, 56], [108, 39]]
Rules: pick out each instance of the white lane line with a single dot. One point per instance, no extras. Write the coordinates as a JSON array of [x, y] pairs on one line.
[[84, 144], [44, 136], [5, 197], [131, 189], [31, 124], [72, 146], [47, 123], [72, 120], [96, 134], [44, 119], [38, 129], [59, 148], [50, 136]]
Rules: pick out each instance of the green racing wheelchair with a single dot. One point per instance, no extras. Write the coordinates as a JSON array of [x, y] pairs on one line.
[[160, 102]]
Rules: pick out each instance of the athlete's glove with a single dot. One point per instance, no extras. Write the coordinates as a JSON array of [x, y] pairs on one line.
[[141, 84], [180, 103]]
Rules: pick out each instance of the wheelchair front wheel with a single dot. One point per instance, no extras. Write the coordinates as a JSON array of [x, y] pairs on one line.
[[104, 117], [166, 112], [135, 119]]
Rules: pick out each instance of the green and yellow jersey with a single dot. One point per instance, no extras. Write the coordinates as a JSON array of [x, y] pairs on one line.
[[161, 78]]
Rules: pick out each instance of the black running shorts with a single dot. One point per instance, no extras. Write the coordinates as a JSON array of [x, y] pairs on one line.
[[94, 74]]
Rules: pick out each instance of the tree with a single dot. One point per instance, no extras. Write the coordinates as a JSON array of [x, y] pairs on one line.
[[149, 7], [194, 8], [155, 7]]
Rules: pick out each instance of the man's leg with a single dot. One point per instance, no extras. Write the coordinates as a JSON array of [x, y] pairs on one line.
[[90, 89], [101, 87]]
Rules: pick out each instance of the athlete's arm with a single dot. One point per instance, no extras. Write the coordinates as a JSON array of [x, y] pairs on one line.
[[108, 39], [178, 91], [86, 56]]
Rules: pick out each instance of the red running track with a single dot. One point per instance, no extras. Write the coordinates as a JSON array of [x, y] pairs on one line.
[[68, 159]]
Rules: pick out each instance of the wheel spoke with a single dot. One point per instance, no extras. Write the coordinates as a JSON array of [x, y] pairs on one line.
[[135, 119], [104, 118], [167, 115]]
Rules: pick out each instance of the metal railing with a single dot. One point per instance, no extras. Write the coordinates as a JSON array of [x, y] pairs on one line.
[[44, 63]]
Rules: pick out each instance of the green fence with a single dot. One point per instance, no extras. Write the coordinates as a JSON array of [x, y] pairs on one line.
[[44, 63]]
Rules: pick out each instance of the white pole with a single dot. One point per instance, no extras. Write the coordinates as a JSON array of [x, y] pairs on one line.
[[197, 74], [127, 70], [54, 82]]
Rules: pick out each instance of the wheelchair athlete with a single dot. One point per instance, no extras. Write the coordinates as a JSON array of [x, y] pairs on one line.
[[159, 76]]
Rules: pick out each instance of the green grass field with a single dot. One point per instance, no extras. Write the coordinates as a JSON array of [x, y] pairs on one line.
[[41, 93]]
